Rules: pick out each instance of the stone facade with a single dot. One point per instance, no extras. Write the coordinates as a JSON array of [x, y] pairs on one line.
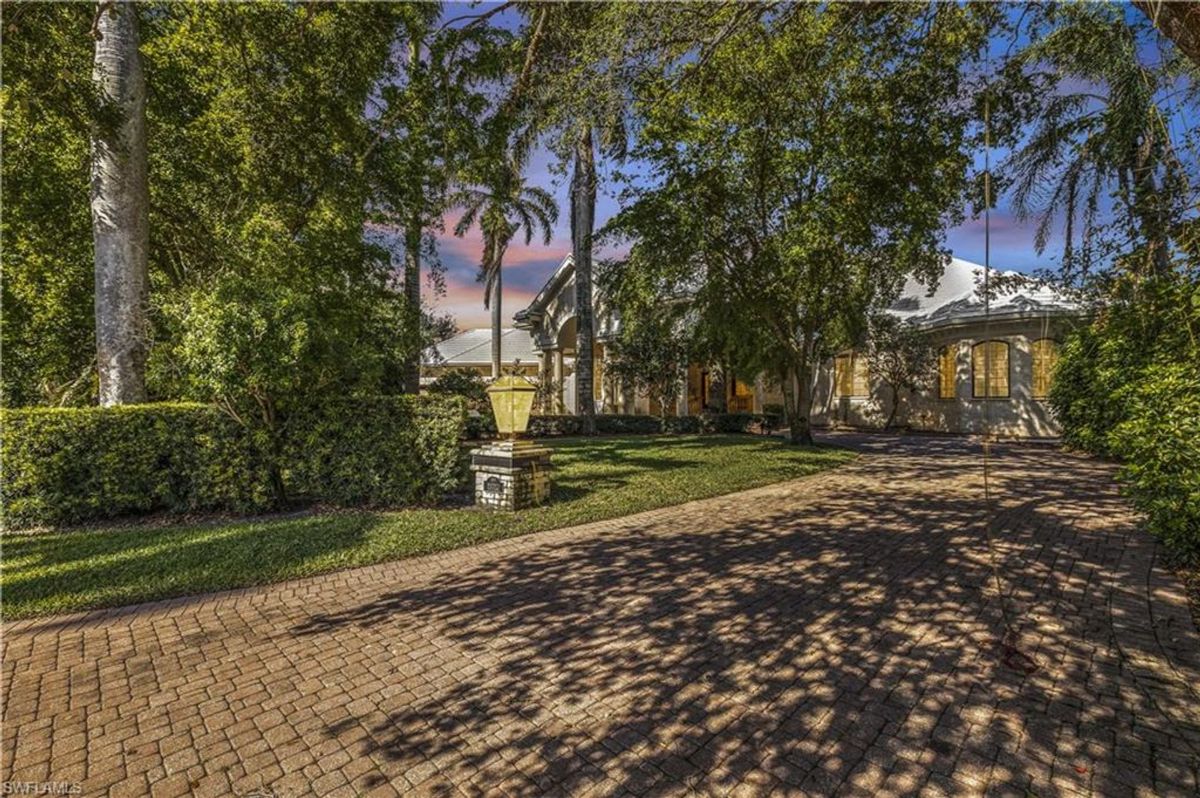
[[510, 475]]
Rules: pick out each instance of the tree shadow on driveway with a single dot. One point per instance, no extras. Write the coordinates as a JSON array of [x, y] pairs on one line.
[[838, 644]]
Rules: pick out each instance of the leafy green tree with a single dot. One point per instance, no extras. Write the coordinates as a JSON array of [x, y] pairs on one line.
[[901, 355], [263, 165], [814, 167], [48, 324], [431, 123], [578, 75], [651, 355], [502, 205]]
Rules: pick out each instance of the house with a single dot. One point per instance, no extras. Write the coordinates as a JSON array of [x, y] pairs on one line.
[[1015, 339], [471, 350], [994, 364]]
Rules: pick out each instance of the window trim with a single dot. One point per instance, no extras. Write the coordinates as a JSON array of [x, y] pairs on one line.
[[1008, 368]]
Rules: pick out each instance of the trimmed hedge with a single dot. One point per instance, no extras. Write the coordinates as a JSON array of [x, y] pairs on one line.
[[375, 451], [553, 426], [69, 465], [65, 465]]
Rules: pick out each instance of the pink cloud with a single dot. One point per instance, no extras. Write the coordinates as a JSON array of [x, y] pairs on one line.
[[469, 247], [463, 300]]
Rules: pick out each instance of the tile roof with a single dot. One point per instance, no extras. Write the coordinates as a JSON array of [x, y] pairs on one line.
[[959, 297], [474, 348]]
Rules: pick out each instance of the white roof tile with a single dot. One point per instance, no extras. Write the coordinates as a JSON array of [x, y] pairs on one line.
[[959, 297], [474, 348]]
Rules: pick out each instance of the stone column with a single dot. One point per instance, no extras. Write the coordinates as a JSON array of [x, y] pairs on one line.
[[602, 377], [544, 375], [681, 405], [558, 381]]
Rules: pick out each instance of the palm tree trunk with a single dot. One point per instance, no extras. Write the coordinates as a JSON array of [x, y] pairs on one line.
[[496, 318], [411, 377], [583, 218], [1179, 22], [120, 208]]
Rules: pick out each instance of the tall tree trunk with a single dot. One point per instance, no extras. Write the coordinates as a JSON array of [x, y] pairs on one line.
[[410, 379], [1178, 21], [895, 406], [497, 332], [120, 207], [583, 218], [800, 417], [799, 422]]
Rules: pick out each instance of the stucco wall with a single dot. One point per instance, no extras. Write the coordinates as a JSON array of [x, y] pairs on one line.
[[1018, 415]]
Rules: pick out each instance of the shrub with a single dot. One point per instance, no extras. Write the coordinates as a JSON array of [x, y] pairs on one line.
[[551, 426], [374, 451], [68, 465], [467, 384], [1128, 386], [628, 425], [65, 465], [1159, 442], [740, 422]]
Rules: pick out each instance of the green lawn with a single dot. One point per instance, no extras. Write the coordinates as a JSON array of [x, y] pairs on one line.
[[595, 479]]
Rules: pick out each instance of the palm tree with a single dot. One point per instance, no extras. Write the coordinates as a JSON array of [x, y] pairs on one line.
[[503, 205], [1108, 133], [120, 204]]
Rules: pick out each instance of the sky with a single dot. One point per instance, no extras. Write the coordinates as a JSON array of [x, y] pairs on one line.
[[527, 267]]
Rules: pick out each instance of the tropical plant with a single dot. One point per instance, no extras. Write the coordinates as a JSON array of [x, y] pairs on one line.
[[1179, 22], [503, 205], [1104, 128], [430, 126], [120, 200], [651, 354], [901, 355]]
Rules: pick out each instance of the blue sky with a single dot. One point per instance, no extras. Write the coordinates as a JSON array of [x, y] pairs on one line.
[[527, 267]]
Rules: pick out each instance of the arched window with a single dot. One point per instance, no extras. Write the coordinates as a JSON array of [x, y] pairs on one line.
[[947, 367], [1045, 358], [989, 370], [850, 375]]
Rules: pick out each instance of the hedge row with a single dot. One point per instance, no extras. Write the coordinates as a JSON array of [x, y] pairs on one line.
[[71, 465], [551, 426]]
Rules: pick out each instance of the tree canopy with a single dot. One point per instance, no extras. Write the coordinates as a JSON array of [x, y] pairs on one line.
[[812, 170]]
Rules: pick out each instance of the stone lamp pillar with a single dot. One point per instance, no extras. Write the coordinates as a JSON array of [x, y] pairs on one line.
[[511, 473]]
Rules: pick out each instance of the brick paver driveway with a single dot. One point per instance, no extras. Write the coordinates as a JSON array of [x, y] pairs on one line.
[[831, 635]]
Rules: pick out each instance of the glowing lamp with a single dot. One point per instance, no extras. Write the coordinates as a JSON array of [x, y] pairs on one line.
[[512, 400]]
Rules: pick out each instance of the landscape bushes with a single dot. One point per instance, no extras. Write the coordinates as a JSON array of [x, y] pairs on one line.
[[553, 426], [375, 451], [69, 465], [1127, 386], [1159, 444], [62, 465]]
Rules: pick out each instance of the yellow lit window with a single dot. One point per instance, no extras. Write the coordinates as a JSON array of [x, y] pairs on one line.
[[841, 375], [946, 371], [850, 375], [1045, 358], [989, 369]]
